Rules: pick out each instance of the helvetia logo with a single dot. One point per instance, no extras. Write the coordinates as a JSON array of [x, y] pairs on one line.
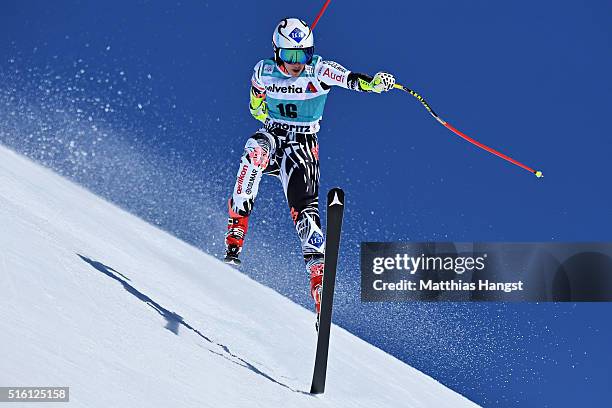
[[291, 89]]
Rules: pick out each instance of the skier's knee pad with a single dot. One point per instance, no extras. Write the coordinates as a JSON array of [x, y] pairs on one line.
[[258, 149], [302, 203], [256, 157]]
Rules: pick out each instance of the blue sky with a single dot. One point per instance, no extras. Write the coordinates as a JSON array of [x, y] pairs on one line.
[[530, 79]]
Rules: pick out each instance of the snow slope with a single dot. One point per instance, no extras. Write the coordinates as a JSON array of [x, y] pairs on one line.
[[94, 298]]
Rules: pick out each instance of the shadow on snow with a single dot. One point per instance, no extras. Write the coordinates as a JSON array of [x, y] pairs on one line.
[[175, 320]]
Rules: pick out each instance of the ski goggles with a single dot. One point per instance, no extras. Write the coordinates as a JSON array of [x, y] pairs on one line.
[[296, 55]]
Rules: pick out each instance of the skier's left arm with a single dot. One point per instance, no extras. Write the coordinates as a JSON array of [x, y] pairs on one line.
[[331, 73]]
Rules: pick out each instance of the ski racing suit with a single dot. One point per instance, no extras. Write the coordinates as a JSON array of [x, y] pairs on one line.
[[287, 146]]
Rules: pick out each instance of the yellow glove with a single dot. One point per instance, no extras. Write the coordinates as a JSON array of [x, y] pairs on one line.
[[382, 81]]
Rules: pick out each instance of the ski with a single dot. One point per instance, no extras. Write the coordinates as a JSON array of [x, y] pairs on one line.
[[335, 211]]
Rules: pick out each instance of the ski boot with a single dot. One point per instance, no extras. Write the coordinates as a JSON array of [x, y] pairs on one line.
[[316, 285], [317, 297], [231, 255], [237, 227]]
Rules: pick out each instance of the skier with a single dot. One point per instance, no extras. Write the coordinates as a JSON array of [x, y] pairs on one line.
[[288, 94]]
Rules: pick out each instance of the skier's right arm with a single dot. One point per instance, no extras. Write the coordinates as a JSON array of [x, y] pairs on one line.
[[257, 105]]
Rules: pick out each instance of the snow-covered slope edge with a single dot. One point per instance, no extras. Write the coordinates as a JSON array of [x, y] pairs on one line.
[[94, 298]]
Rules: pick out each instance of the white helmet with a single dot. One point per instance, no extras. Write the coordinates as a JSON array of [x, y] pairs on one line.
[[293, 41]]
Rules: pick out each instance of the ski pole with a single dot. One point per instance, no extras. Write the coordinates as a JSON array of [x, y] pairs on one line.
[[316, 20], [463, 135]]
